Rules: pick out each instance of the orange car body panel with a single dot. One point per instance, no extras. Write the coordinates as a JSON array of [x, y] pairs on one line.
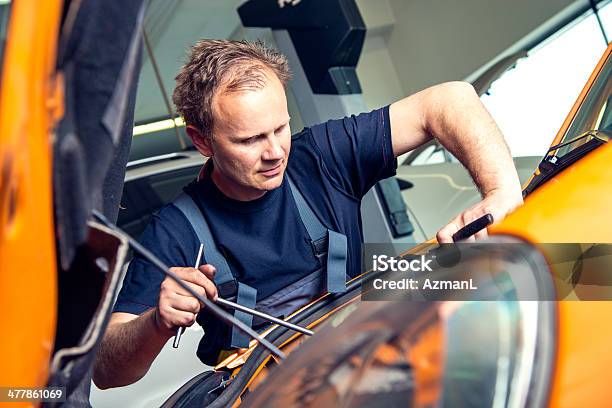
[[29, 103], [574, 207]]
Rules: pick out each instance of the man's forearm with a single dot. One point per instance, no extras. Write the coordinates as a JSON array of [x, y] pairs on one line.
[[455, 116], [128, 350], [462, 125]]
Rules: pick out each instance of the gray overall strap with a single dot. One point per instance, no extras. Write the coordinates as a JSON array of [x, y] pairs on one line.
[[212, 255], [246, 295], [336, 242]]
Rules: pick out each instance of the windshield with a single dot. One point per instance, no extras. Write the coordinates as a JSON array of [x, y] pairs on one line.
[[590, 128], [595, 113]]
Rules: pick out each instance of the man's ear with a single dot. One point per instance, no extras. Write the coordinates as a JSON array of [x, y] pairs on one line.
[[200, 141]]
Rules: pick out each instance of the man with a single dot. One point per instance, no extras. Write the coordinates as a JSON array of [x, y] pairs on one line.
[[231, 95]]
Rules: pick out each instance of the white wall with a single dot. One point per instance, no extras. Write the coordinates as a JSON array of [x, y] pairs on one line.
[[378, 77], [434, 41]]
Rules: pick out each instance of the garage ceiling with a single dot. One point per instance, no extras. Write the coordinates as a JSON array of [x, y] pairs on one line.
[[428, 41]]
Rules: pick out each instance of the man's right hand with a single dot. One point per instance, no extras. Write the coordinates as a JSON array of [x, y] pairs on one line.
[[176, 306], [132, 342]]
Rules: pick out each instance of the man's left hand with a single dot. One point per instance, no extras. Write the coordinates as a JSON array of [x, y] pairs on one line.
[[498, 203]]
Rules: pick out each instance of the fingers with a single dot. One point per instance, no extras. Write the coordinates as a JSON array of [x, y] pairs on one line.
[[445, 235], [482, 234], [209, 271], [176, 305], [470, 239], [186, 304], [169, 287], [199, 278], [184, 318], [498, 203], [171, 318]]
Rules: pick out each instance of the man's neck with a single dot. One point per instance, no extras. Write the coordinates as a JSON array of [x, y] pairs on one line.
[[234, 191]]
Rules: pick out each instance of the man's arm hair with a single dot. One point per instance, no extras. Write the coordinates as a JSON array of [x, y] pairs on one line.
[[453, 113], [128, 348], [455, 116]]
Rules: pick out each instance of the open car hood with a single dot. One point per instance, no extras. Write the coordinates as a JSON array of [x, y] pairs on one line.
[[99, 56], [67, 117]]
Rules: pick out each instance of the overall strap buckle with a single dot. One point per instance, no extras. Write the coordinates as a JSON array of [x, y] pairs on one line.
[[319, 234]]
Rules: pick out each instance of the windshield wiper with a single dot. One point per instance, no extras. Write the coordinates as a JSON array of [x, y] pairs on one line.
[[553, 164], [594, 133]]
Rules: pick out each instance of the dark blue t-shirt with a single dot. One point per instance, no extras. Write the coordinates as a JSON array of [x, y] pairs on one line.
[[266, 245]]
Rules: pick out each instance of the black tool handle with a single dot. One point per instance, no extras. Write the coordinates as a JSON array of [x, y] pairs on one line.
[[473, 227]]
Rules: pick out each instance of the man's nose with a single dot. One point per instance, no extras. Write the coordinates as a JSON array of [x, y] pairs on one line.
[[274, 150]]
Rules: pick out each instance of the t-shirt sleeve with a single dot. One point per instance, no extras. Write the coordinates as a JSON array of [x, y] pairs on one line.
[[170, 237], [357, 150]]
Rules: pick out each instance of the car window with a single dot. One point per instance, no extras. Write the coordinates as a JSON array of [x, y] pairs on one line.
[[595, 113], [431, 155], [530, 102], [145, 195]]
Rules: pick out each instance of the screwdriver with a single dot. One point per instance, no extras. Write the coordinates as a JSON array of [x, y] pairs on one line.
[[248, 310], [181, 329]]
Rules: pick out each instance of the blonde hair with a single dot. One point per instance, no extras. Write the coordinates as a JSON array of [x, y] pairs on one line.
[[227, 66]]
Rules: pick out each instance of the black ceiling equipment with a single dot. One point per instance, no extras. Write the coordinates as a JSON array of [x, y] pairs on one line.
[[327, 34]]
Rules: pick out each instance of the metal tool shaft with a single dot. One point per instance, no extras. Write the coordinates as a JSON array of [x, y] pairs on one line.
[[212, 307], [264, 316], [181, 329]]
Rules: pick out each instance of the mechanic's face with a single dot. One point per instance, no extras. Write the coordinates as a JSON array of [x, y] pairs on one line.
[[251, 140]]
